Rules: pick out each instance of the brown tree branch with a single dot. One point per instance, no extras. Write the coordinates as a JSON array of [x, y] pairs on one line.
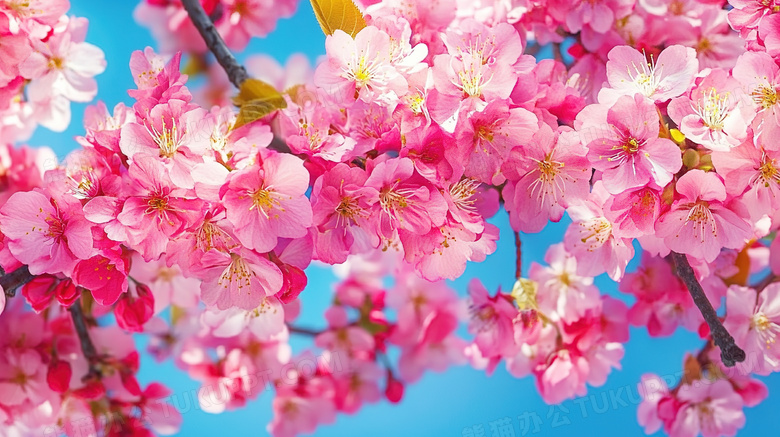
[[235, 71], [87, 347], [11, 281], [730, 353]]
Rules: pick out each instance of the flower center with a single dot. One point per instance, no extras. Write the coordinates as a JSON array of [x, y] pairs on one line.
[[56, 63], [392, 200], [766, 329], [237, 273], [549, 181], [596, 231], [463, 192], [701, 216], [471, 78], [764, 95], [210, 236], [168, 139], [644, 77], [56, 227], [348, 210], [713, 109], [264, 201], [768, 172]]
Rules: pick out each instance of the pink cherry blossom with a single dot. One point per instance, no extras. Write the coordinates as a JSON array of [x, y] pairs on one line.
[[590, 238], [629, 152], [156, 210], [544, 176], [49, 234], [629, 72], [485, 139], [360, 68], [753, 319], [341, 207], [710, 409], [267, 201], [241, 278], [713, 115], [700, 223], [562, 293], [406, 200]]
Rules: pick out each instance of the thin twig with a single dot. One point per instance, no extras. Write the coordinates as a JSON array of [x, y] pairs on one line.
[[303, 331], [87, 347], [518, 256], [556, 49], [11, 281], [235, 71], [730, 353], [762, 284]]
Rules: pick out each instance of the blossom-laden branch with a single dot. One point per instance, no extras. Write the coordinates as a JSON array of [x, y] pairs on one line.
[[730, 353], [235, 71], [87, 347], [11, 281]]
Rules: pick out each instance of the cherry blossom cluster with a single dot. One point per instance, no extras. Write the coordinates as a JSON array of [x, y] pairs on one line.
[[654, 130], [554, 325], [236, 20], [46, 64], [41, 386]]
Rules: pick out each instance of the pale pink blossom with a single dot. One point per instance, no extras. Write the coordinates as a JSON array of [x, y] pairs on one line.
[[544, 176], [49, 234], [700, 222], [659, 79], [629, 152], [267, 201]]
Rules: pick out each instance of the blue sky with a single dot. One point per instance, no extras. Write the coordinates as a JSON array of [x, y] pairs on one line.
[[460, 402]]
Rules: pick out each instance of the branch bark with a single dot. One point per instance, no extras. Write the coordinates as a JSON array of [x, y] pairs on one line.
[[11, 281], [235, 71], [87, 347], [730, 353]]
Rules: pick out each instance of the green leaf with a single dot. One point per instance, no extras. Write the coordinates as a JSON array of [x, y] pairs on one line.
[[338, 14], [256, 99]]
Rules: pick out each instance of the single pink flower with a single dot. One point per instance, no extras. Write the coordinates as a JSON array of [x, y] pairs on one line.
[[754, 321], [753, 175], [668, 76], [545, 175], [444, 251], [407, 201], [590, 238], [65, 64], [562, 293], [485, 138], [156, 210], [268, 200], [700, 223], [341, 205], [629, 152], [48, 233], [360, 68], [713, 115], [759, 76], [241, 278], [173, 133], [712, 409]]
